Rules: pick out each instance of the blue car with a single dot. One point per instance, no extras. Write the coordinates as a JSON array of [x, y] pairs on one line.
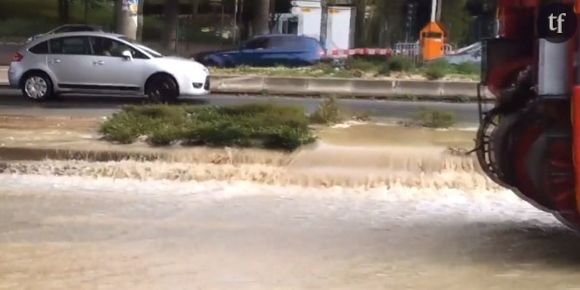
[[268, 50]]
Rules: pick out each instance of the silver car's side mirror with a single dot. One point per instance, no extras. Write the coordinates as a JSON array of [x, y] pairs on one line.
[[127, 55]]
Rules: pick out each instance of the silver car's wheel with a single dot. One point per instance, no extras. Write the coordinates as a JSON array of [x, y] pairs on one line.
[[37, 86], [162, 89]]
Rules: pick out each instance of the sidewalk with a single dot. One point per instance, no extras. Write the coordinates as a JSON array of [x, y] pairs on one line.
[[341, 87]]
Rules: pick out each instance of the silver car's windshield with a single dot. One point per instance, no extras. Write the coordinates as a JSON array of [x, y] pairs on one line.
[[151, 51]]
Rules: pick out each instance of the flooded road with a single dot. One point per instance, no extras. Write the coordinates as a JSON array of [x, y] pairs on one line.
[[74, 232]]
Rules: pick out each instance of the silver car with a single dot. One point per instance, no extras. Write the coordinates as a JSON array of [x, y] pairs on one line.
[[96, 62]]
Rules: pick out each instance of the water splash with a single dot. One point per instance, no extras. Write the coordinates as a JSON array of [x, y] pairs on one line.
[[319, 166]]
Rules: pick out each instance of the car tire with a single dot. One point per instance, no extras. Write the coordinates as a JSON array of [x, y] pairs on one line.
[[162, 89], [37, 86]]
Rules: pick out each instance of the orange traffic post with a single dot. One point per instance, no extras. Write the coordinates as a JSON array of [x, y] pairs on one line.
[[432, 40]]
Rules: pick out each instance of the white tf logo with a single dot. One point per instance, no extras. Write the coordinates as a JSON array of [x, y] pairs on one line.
[[556, 22]]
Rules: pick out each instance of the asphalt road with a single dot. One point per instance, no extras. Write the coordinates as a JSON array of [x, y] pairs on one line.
[[11, 102]]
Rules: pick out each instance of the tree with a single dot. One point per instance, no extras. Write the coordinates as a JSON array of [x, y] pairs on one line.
[[171, 11], [90, 5], [456, 20], [390, 21], [64, 10], [323, 22], [261, 17], [140, 20], [360, 36]]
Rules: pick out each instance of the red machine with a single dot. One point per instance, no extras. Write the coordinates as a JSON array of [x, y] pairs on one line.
[[530, 141]]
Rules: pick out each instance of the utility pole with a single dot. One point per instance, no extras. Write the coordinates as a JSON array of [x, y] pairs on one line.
[[261, 17], [323, 22], [434, 10], [439, 9]]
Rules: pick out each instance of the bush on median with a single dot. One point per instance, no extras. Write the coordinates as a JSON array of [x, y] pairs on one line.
[[399, 63], [437, 69], [328, 112], [435, 119], [254, 125]]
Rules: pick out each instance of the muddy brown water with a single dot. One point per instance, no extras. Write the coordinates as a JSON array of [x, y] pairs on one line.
[[79, 233], [336, 216]]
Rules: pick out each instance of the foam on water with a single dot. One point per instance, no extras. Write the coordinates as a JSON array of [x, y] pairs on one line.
[[421, 202], [323, 166]]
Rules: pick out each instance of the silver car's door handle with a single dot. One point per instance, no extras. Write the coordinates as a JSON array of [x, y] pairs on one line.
[[98, 62], [56, 60]]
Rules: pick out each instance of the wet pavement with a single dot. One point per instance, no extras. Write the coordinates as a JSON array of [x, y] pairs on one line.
[[99, 233], [12, 102]]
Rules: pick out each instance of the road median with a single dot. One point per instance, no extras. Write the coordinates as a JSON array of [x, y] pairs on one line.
[[345, 87], [340, 87]]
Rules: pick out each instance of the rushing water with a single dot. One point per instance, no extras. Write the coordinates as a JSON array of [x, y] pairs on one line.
[[331, 218], [327, 166]]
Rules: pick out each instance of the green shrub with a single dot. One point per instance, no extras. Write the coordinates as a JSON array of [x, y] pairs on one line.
[[467, 68], [437, 69], [435, 119], [252, 125], [365, 64], [400, 64], [165, 112], [328, 112], [385, 70], [165, 134], [325, 67], [123, 127], [288, 138], [219, 133]]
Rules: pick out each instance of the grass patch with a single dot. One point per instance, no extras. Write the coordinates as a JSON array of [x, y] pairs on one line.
[[253, 125], [467, 68], [400, 64], [435, 119], [437, 69], [328, 112], [366, 67]]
